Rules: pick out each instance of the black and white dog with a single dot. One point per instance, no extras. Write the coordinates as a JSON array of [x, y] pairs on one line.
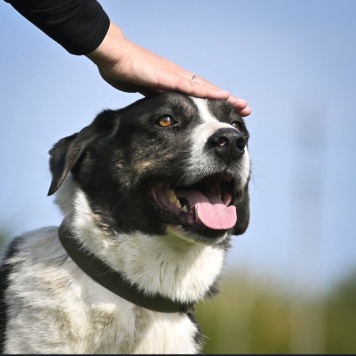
[[150, 196]]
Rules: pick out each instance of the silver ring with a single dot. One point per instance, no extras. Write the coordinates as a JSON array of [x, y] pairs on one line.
[[194, 77]]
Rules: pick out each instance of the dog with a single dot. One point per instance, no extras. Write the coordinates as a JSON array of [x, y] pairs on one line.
[[150, 196]]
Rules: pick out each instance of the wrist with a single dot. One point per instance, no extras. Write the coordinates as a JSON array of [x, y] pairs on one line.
[[110, 50]]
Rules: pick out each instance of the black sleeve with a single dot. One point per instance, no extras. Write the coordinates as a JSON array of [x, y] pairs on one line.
[[77, 25]]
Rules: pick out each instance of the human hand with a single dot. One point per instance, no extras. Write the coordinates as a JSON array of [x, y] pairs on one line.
[[131, 68]]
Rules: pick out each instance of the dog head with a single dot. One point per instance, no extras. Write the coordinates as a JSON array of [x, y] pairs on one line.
[[165, 163]]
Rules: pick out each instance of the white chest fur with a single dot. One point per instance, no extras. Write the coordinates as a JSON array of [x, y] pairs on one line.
[[76, 315]]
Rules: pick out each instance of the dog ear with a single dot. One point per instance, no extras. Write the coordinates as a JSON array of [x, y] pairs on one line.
[[65, 154], [67, 151], [243, 213]]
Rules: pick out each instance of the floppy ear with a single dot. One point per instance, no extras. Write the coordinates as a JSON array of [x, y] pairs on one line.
[[65, 154], [67, 151], [243, 213]]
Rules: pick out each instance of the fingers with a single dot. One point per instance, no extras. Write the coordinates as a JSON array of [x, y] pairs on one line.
[[191, 84], [203, 82], [201, 88], [240, 105], [181, 81]]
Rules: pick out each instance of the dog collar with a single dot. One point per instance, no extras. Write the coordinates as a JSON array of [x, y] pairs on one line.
[[114, 281]]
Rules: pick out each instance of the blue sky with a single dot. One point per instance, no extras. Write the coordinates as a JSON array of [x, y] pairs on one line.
[[294, 61]]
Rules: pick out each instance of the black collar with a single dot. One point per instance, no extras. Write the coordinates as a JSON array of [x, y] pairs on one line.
[[114, 281]]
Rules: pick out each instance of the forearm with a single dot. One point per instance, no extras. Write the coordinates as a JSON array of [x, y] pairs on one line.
[[77, 25], [111, 49]]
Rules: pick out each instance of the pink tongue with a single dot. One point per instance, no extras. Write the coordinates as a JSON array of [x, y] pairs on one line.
[[210, 210]]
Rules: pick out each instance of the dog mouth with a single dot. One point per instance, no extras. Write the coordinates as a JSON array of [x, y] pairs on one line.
[[205, 203]]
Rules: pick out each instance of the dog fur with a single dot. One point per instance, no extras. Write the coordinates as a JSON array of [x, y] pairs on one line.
[[108, 181]]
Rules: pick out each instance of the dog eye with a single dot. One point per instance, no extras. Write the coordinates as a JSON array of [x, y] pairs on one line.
[[165, 121], [240, 126], [237, 124]]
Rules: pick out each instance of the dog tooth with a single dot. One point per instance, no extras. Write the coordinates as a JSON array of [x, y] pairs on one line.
[[184, 209], [171, 196]]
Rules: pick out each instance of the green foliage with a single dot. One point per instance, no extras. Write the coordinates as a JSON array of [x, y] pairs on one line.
[[256, 316], [340, 313], [245, 318]]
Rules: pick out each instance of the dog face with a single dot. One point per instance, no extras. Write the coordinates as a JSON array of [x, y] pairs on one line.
[[164, 163]]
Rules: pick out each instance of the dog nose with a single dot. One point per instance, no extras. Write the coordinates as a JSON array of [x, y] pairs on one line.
[[229, 144]]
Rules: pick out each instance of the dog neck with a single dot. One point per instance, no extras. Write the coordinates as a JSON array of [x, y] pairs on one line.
[[115, 281], [167, 266]]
